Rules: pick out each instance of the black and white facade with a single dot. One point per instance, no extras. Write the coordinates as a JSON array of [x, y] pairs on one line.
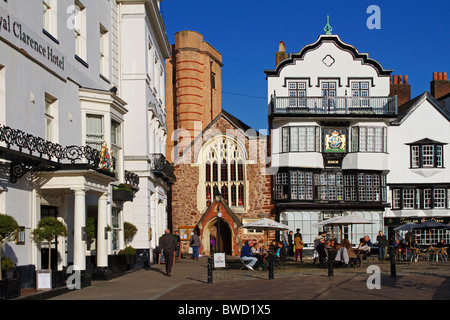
[[419, 178], [329, 115]]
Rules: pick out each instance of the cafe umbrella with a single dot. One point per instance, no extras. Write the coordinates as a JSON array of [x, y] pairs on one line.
[[326, 223], [406, 227], [265, 225], [350, 220]]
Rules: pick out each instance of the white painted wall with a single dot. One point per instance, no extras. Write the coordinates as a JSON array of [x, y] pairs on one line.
[[27, 75], [142, 81]]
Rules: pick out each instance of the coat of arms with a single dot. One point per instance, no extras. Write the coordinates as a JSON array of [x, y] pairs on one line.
[[335, 140], [105, 159]]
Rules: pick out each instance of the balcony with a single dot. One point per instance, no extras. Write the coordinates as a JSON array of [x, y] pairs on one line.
[[334, 106], [162, 168], [30, 153]]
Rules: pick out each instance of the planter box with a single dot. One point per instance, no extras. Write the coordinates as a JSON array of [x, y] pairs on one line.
[[122, 195], [9, 288]]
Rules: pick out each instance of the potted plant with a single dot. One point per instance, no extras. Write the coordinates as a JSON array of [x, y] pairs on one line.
[[130, 256], [123, 193], [47, 230], [9, 287], [91, 231], [129, 231]]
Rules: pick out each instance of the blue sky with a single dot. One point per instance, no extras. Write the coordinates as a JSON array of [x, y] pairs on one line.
[[414, 39]]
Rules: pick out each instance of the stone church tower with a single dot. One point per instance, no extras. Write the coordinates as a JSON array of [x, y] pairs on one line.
[[219, 161], [193, 89]]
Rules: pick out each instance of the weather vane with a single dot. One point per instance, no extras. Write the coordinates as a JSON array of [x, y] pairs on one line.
[[328, 28]]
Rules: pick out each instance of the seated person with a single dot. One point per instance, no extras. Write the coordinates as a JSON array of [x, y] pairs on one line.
[[257, 254], [351, 254], [273, 246], [441, 244], [281, 252], [364, 249], [342, 258], [246, 255]]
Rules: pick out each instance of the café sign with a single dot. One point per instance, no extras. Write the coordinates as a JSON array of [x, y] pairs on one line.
[[22, 37]]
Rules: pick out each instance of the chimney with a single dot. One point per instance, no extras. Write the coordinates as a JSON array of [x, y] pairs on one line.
[[281, 54], [439, 86], [401, 88]]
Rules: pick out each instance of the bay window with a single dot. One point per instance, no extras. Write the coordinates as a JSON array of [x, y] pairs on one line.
[[301, 139], [369, 139]]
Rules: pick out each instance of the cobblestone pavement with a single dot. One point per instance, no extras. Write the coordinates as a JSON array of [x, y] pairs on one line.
[[422, 280]]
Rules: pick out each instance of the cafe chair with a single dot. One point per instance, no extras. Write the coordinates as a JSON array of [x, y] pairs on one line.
[[443, 254], [414, 254]]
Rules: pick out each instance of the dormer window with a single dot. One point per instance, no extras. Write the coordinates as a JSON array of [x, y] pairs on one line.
[[426, 153]]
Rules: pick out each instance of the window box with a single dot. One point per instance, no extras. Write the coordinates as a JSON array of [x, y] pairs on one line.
[[122, 195]]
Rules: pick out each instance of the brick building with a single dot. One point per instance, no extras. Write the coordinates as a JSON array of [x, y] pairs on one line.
[[219, 161]]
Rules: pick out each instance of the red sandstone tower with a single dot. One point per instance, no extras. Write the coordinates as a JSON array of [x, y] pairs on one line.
[[193, 89]]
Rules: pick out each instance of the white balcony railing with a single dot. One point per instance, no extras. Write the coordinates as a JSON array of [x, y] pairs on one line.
[[333, 105]]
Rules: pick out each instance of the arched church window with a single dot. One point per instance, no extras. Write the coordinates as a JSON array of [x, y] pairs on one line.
[[224, 170]]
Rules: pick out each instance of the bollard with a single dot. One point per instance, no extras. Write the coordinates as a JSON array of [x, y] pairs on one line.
[[271, 266], [392, 258], [331, 256], [210, 268]]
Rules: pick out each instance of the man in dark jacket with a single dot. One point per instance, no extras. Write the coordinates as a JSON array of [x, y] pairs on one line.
[[382, 244], [168, 245]]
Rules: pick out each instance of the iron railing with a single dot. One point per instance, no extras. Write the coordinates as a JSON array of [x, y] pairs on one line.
[[333, 106], [162, 168], [27, 152], [131, 179]]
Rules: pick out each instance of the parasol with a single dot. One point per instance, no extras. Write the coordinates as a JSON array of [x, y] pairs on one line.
[[265, 225], [406, 227], [350, 220], [431, 225]]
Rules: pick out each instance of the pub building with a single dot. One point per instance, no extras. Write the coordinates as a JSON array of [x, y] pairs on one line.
[[329, 114], [340, 145], [419, 178]]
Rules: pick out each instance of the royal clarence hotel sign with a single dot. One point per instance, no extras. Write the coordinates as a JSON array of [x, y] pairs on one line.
[[24, 39]]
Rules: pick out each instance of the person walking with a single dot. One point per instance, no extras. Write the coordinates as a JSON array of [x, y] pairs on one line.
[[194, 243], [290, 244], [382, 244], [298, 247], [168, 245], [285, 238]]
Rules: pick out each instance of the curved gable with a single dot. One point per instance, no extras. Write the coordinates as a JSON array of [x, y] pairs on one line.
[[363, 57]]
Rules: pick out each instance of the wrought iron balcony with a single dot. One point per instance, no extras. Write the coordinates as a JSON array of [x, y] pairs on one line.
[[162, 168], [30, 153], [132, 179], [335, 106]]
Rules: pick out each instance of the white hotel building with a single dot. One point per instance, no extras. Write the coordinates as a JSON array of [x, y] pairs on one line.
[[339, 144], [63, 94]]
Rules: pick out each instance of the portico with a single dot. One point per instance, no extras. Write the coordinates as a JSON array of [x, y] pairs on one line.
[[75, 188]]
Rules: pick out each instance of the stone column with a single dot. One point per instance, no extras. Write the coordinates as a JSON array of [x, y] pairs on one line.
[[79, 223], [102, 242]]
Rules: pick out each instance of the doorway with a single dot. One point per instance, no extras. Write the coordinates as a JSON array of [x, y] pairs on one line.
[[224, 242]]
